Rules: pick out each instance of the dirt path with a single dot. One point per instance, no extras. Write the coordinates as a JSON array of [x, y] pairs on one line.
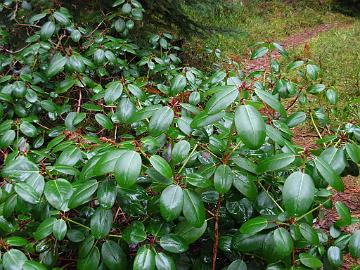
[[305, 136]]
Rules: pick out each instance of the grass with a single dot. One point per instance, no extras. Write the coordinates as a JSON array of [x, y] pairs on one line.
[[338, 53], [258, 21]]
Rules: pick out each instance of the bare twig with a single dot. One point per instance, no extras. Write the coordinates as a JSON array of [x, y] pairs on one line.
[[216, 233]]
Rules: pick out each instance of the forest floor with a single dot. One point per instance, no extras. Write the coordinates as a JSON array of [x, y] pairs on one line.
[[305, 136]]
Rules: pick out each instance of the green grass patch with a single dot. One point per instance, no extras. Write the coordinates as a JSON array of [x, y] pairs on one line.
[[338, 53], [258, 21]]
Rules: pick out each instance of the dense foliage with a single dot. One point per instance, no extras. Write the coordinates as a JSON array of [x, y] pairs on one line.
[[117, 157]]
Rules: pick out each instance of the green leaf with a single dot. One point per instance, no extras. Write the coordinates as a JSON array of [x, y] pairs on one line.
[[120, 25], [16, 241], [173, 243], [101, 222], [335, 158], [344, 214], [145, 259], [58, 193], [198, 180], [106, 194], [223, 179], [309, 233], [107, 162], [275, 162], [91, 261], [248, 243], [99, 57], [164, 262], [125, 111], [61, 18], [250, 126], [245, 164], [144, 113], [316, 89], [334, 256], [19, 169], [298, 193], [59, 229], [171, 202], [329, 174], [69, 157], [178, 84], [332, 96], [310, 261], [113, 92], [312, 71], [73, 119], [86, 246], [296, 119], [283, 244], [180, 151], [221, 100], [271, 100], [353, 151], [254, 225], [28, 129], [104, 121], [237, 265], [354, 244], [33, 265], [193, 208], [13, 260], [260, 52], [113, 256], [45, 228], [75, 63], [204, 119], [7, 139], [161, 121], [127, 169], [188, 232], [82, 194], [75, 35], [161, 166], [27, 193], [56, 65], [135, 233], [47, 30], [245, 184]]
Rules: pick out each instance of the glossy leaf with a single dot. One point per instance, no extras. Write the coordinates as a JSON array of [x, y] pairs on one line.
[[250, 126], [161, 166], [164, 262], [223, 179], [145, 259], [101, 222], [254, 225], [171, 202], [329, 174], [173, 243], [298, 193], [276, 162], [113, 256], [58, 193], [193, 208], [310, 261], [221, 100], [161, 121], [127, 169]]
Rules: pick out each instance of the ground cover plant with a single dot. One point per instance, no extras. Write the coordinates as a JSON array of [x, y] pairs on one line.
[[115, 156]]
